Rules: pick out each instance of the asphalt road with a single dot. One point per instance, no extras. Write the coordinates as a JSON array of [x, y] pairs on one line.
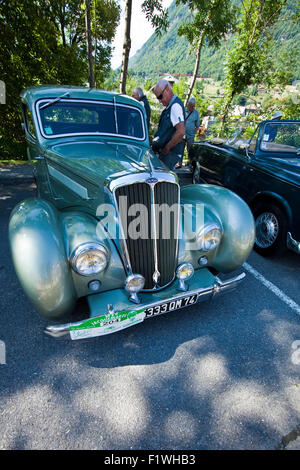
[[219, 375]]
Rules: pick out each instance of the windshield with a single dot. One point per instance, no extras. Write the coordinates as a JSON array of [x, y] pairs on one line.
[[77, 117], [281, 137], [236, 140]]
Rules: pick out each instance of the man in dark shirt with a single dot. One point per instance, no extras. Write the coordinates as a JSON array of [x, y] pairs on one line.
[[171, 128], [139, 95]]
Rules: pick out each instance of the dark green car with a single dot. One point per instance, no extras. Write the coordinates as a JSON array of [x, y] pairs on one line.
[[111, 223], [265, 172]]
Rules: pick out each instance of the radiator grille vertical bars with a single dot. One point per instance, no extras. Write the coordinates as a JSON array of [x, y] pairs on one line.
[[142, 251]]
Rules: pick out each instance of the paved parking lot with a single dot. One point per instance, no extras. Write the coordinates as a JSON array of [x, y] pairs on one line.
[[219, 375]]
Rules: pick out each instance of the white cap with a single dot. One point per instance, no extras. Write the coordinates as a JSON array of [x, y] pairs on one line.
[[277, 114]]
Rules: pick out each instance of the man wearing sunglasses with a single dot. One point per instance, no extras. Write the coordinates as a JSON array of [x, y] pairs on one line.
[[168, 140]]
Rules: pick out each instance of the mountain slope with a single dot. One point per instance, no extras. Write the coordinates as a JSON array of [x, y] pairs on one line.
[[171, 53]]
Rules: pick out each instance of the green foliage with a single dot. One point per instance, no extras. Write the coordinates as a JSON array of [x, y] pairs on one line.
[[213, 18], [180, 88], [249, 59], [156, 14], [43, 42], [172, 53]]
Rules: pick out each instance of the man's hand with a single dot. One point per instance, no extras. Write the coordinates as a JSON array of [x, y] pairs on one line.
[[177, 137], [166, 149]]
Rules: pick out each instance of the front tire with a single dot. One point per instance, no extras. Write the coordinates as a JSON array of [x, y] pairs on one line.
[[271, 229]]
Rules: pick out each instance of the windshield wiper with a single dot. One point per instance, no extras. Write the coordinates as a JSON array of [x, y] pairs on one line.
[[56, 100]]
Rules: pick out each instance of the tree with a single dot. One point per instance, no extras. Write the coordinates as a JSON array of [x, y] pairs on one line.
[[248, 61], [43, 41], [89, 45], [212, 20], [105, 16], [126, 46], [156, 14]]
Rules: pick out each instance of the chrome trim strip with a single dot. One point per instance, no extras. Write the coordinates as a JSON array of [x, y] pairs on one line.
[[74, 100], [87, 247], [204, 293], [124, 249], [156, 274], [115, 114], [66, 181], [292, 244], [163, 176]]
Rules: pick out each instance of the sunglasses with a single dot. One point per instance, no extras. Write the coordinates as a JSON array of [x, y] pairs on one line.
[[159, 97]]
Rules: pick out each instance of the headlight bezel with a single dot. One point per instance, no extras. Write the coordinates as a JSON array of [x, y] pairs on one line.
[[204, 232], [85, 248]]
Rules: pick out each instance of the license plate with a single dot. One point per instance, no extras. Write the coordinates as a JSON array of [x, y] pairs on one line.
[[171, 305], [106, 324]]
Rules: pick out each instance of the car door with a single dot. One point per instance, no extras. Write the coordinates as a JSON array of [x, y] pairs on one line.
[[240, 170], [212, 162], [237, 172]]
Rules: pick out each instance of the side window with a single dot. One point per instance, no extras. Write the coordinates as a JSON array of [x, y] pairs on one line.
[[29, 121]]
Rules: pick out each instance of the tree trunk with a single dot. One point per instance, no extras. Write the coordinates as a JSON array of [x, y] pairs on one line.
[[126, 46], [196, 68], [89, 42], [225, 112], [95, 43]]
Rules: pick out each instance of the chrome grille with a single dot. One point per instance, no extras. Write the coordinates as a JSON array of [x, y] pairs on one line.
[[155, 250]]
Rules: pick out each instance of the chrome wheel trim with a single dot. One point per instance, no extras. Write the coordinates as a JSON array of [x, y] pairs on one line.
[[267, 229]]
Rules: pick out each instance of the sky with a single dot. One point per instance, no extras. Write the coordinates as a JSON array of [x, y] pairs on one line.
[[141, 30]]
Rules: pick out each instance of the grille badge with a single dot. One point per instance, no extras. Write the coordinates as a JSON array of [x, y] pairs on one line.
[[152, 180]]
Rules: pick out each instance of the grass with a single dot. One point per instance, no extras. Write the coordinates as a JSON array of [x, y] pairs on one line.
[[13, 162]]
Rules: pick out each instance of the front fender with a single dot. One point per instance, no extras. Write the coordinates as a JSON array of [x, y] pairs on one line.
[[235, 218], [39, 257]]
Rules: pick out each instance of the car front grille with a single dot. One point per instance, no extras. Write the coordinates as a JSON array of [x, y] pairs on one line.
[[151, 230]]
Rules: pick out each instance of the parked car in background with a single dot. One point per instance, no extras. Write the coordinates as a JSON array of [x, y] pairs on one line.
[[265, 171], [110, 222]]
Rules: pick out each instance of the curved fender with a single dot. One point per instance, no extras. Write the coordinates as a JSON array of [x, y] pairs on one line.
[[235, 218], [39, 257]]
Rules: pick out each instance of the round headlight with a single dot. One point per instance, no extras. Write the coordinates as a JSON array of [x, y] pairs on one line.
[[89, 259], [209, 238]]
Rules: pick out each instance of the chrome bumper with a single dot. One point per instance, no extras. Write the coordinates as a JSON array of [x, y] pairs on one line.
[[292, 244], [203, 294]]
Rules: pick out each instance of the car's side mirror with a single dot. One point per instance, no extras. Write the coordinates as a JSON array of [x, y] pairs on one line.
[[245, 149]]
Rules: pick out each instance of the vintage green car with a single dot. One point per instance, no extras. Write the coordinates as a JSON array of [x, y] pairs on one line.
[[111, 223]]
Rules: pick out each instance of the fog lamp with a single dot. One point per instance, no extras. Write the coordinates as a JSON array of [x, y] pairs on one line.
[[134, 283], [184, 272]]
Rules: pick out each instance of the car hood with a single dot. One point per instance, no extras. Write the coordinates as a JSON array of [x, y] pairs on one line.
[[97, 161], [288, 168]]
